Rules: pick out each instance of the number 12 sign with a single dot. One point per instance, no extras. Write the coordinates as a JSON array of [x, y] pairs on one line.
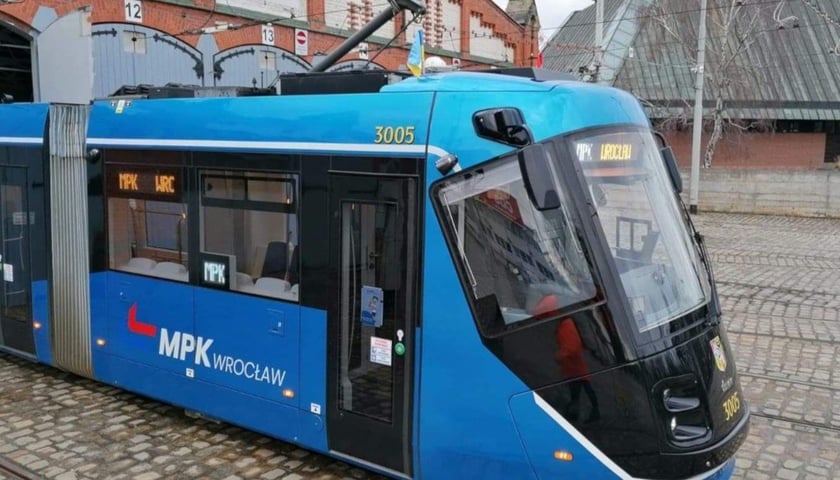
[[133, 11]]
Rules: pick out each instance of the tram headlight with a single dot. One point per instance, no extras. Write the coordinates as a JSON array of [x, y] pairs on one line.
[[563, 456]]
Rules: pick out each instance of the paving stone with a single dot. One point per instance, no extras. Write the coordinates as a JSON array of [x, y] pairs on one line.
[[273, 474]]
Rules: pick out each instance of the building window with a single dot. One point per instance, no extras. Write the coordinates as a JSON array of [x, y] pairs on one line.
[[134, 42], [250, 218]]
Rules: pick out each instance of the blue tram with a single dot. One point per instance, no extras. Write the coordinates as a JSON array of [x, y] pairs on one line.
[[462, 275]]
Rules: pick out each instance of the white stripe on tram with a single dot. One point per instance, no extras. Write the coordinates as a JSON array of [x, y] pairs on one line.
[[277, 146], [24, 140]]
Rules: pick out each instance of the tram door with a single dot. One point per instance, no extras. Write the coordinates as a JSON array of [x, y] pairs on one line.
[[16, 290], [373, 246]]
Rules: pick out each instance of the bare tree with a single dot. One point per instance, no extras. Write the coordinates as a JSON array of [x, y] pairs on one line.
[[733, 27]]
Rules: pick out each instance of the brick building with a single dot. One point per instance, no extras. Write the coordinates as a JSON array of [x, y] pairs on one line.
[[783, 90], [249, 42]]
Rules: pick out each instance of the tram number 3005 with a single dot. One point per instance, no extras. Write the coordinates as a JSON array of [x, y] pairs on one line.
[[394, 135], [731, 406]]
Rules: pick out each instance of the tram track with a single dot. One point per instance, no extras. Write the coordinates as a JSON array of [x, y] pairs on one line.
[[792, 421], [12, 471], [760, 410], [779, 289], [778, 262], [755, 297], [823, 386], [730, 331]]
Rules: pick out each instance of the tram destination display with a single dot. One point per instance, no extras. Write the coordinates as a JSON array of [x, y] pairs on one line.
[[150, 183]]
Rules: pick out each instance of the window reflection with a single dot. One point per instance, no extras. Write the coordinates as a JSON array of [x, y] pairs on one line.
[[529, 262], [148, 237]]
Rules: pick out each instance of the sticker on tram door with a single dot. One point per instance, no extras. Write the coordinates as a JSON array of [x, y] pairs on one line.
[[380, 351], [720, 356], [372, 305]]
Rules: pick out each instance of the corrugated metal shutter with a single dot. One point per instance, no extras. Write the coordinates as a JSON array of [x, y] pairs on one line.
[[133, 54], [69, 238]]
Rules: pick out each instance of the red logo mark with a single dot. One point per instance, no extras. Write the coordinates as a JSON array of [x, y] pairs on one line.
[[138, 327]]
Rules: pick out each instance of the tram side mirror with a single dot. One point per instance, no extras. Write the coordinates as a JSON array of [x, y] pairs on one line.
[[671, 165], [538, 178], [504, 125]]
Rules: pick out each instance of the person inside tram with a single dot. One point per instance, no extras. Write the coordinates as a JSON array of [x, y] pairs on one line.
[[570, 360]]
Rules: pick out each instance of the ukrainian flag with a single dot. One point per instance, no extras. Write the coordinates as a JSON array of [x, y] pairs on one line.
[[417, 54]]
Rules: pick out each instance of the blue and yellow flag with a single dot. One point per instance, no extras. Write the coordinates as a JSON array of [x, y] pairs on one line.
[[417, 54]]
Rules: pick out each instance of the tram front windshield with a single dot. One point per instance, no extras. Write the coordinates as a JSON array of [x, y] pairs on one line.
[[640, 217]]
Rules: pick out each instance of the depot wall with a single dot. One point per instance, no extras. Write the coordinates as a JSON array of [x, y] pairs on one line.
[[166, 45], [812, 193]]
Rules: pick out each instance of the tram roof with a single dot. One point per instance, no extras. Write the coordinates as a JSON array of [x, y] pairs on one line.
[[23, 120], [469, 82]]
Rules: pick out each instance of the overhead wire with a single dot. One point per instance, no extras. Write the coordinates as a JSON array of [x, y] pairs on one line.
[[253, 23], [405, 27]]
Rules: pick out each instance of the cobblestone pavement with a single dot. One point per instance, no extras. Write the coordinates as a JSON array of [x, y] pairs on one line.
[[780, 288], [779, 280], [67, 428]]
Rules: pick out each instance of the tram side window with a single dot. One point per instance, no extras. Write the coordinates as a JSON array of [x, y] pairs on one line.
[[148, 237], [250, 218], [521, 264]]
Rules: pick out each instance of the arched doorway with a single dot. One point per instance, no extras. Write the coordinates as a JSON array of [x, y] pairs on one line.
[[15, 64], [128, 54], [254, 65], [354, 65]]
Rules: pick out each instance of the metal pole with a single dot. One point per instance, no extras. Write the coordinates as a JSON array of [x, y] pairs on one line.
[[366, 31], [599, 31], [694, 184]]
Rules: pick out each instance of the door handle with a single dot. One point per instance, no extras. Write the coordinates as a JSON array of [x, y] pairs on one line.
[[372, 256]]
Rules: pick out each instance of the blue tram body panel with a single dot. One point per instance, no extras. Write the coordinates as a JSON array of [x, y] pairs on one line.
[[254, 413], [99, 319], [22, 124], [251, 344], [312, 392], [41, 314], [466, 429], [339, 124], [143, 314]]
